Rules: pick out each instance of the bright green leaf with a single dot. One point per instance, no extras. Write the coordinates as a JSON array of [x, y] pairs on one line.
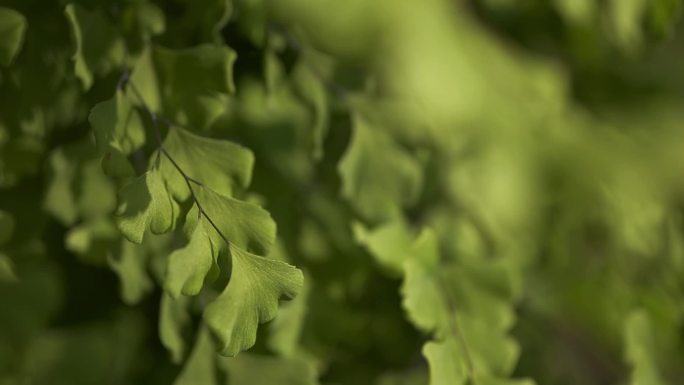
[[251, 297], [218, 164], [188, 267], [446, 364], [641, 350], [145, 203], [12, 29], [424, 299], [245, 225]]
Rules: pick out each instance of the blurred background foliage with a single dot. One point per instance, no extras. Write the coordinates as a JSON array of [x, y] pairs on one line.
[[478, 191]]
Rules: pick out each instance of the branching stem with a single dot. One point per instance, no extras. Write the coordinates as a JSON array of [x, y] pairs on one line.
[[125, 81]]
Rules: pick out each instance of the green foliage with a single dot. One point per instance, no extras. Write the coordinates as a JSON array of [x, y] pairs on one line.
[[485, 192], [229, 168], [12, 29]]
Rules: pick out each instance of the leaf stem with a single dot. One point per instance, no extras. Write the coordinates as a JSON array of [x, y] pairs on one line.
[[188, 179]]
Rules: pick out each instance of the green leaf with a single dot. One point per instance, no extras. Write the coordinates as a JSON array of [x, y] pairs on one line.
[[379, 179], [627, 19], [200, 368], [98, 48], [97, 196], [131, 266], [253, 20], [145, 203], [251, 297], [253, 369], [445, 368], [245, 225], [173, 318], [144, 19], [309, 86], [77, 188], [221, 165], [189, 86], [60, 199], [457, 304], [12, 29], [92, 240], [188, 267], [118, 132], [7, 273], [411, 376], [433, 290], [641, 349], [144, 79], [423, 297], [286, 330], [487, 380], [389, 243], [200, 20]]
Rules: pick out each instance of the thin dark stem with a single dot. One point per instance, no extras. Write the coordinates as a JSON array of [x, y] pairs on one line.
[[188, 179]]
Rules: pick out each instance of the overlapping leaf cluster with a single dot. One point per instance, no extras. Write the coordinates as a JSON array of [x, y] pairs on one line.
[[480, 192]]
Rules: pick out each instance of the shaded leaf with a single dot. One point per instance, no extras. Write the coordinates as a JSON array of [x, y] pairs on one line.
[[378, 177], [173, 318], [7, 273], [118, 132], [98, 48], [253, 369], [200, 367], [12, 29], [286, 330], [389, 243], [130, 264], [189, 86]]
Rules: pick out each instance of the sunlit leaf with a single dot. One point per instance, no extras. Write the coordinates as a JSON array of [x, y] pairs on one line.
[[145, 203], [251, 297], [221, 165]]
